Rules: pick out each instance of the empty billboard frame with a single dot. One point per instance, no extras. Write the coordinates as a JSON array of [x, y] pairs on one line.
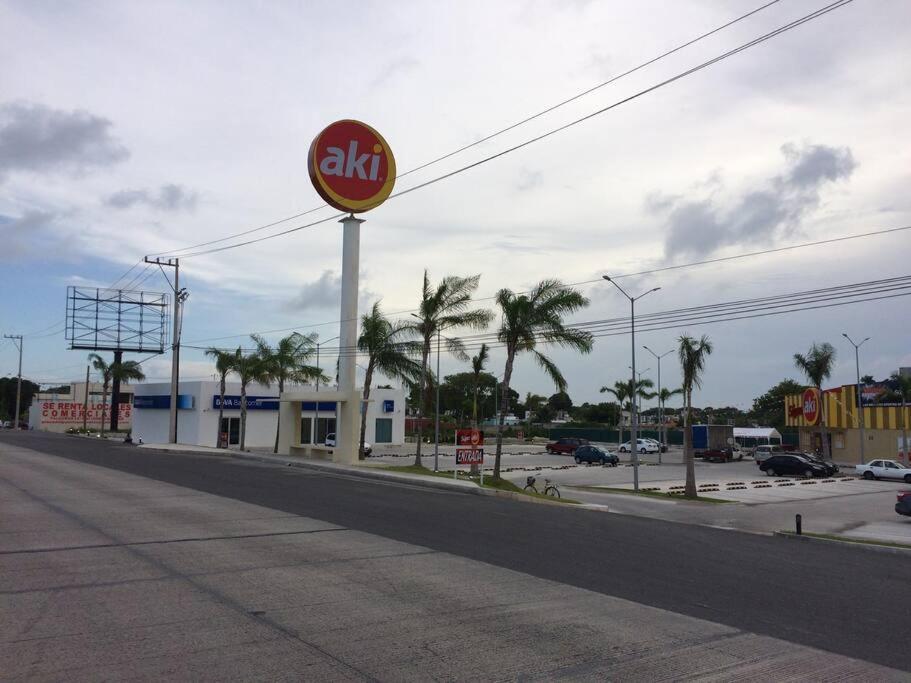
[[116, 320]]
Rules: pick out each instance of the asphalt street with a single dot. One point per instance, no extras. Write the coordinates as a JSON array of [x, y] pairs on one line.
[[841, 599]]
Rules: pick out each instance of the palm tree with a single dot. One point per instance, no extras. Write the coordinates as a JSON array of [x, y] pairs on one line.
[[224, 364], [692, 356], [477, 367], [249, 368], [623, 392], [288, 362], [528, 319], [122, 372], [386, 353], [663, 396], [817, 365], [443, 307], [102, 366]]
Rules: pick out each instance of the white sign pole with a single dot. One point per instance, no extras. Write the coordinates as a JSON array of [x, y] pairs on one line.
[[347, 429]]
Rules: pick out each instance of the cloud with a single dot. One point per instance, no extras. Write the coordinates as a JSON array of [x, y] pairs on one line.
[[323, 292], [29, 234], [168, 198], [39, 139], [394, 68], [529, 180], [698, 227]]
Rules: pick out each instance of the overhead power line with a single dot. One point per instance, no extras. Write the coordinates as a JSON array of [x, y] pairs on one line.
[[761, 39], [720, 259], [716, 312], [493, 135]]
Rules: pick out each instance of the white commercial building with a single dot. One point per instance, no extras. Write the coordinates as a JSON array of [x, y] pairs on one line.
[[198, 407]]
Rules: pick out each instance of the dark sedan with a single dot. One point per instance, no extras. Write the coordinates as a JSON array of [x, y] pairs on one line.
[[831, 467], [566, 445], [903, 504], [793, 465], [596, 456]]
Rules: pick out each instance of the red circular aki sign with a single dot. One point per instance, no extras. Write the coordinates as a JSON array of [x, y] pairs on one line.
[[810, 401], [351, 166]]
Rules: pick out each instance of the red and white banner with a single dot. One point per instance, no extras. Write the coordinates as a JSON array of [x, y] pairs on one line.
[[71, 412]]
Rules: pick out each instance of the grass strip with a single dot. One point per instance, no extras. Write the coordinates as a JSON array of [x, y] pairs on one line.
[[655, 494], [850, 539], [489, 482]]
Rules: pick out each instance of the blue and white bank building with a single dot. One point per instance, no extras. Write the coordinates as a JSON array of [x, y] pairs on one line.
[[198, 407]]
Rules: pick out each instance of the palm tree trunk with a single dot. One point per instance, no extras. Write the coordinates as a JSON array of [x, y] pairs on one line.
[[421, 398], [221, 412], [278, 422], [504, 409], [368, 378], [104, 404], [690, 490], [243, 415]]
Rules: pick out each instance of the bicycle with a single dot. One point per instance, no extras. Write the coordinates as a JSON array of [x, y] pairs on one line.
[[550, 488]]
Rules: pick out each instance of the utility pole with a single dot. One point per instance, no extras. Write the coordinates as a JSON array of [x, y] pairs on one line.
[[180, 296], [314, 435], [18, 337]]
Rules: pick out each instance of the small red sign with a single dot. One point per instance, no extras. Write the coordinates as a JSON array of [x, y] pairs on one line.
[[810, 401], [469, 437], [351, 166], [469, 456]]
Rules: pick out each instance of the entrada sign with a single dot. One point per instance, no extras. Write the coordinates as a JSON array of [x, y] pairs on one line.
[[469, 447], [810, 402], [351, 166]]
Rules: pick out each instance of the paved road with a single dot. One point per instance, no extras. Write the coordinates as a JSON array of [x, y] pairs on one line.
[[833, 598]]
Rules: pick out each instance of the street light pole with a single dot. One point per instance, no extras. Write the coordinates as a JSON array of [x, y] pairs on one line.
[[634, 421], [436, 437], [860, 407], [661, 430]]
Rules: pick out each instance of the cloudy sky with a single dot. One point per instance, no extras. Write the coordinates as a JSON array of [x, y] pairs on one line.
[[136, 128]]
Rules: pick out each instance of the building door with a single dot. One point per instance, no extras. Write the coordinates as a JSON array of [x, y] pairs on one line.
[[383, 433], [232, 426]]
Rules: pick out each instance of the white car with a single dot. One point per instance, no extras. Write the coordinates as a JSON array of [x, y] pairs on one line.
[[642, 445], [330, 441], [763, 451], [884, 469]]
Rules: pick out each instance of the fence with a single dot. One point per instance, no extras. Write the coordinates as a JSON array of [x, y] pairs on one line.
[[674, 436]]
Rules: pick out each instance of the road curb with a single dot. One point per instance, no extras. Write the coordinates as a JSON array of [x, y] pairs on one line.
[[442, 484], [857, 544]]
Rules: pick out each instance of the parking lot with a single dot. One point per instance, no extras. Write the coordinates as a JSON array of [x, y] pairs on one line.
[[841, 504]]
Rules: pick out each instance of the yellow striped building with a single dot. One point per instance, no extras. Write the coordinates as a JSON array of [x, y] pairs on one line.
[[883, 425]]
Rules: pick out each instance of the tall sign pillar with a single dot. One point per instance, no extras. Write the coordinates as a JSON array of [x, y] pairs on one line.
[[352, 168], [347, 428]]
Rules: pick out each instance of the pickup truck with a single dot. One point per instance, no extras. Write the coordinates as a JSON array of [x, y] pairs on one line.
[[884, 469]]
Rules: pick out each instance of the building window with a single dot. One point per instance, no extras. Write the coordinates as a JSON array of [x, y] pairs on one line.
[[307, 430], [383, 433], [326, 426]]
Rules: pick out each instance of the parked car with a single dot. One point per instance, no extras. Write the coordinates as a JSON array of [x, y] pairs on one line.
[[784, 464], [903, 504], [719, 455], [330, 441], [661, 446], [884, 469], [565, 445], [831, 467], [642, 445], [595, 455], [6, 424], [763, 451]]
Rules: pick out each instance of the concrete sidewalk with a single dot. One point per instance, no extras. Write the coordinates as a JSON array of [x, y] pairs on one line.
[[112, 576]]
